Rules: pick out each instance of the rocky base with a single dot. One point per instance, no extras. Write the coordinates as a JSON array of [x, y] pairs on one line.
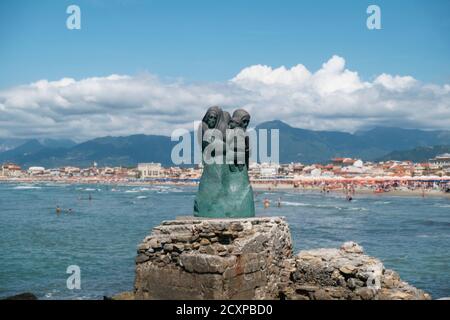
[[214, 259], [22, 296], [252, 259], [346, 273]]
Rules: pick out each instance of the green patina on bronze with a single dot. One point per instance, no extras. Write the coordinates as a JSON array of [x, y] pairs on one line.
[[224, 190]]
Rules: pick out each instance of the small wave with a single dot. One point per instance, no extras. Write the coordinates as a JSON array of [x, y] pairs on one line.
[[26, 187], [295, 204], [302, 204], [56, 185], [132, 191], [382, 202], [327, 206], [356, 209], [90, 189], [50, 294], [141, 197]]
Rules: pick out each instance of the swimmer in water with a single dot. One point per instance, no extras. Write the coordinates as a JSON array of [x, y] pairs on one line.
[[58, 210], [279, 202], [266, 203]]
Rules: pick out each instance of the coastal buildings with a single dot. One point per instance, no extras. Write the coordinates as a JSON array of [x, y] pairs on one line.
[[35, 171], [10, 170], [70, 171], [269, 170], [343, 162], [150, 170], [338, 168], [265, 170], [442, 160]]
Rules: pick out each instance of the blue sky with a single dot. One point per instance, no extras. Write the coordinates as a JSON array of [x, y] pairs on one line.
[[207, 40], [141, 66]]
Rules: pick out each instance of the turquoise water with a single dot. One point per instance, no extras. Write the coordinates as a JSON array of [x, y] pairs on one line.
[[410, 235]]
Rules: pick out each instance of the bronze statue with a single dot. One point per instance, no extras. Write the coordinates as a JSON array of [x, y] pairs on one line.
[[239, 123], [225, 189]]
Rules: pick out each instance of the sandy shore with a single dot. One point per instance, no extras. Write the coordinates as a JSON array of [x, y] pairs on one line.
[[398, 193], [256, 186]]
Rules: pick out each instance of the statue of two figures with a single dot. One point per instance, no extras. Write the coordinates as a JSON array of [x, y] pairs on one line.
[[224, 190]]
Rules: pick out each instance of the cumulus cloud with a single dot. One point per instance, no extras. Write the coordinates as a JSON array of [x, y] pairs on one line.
[[331, 98], [395, 83]]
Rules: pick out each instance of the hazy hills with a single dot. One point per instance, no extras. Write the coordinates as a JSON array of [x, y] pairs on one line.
[[296, 145], [309, 146], [419, 154]]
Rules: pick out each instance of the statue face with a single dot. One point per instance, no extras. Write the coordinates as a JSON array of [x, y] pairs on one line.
[[211, 120], [241, 118], [233, 124], [245, 122]]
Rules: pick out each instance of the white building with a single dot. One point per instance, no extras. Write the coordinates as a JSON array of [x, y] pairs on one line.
[[10, 170], [150, 170], [269, 170], [36, 171], [442, 160]]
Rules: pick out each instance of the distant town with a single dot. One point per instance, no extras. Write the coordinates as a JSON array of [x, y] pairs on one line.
[[436, 169]]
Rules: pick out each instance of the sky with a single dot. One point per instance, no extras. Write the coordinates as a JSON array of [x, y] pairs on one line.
[[150, 67]]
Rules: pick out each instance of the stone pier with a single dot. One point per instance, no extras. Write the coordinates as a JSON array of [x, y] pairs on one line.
[[213, 259], [252, 258]]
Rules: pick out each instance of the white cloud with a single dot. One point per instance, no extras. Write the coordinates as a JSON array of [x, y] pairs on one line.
[[331, 98], [332, 77], [395, 83], [258, 74]]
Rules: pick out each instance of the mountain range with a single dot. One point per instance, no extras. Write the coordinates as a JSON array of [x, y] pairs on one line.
[[419, 154], [11, 143], [296, 145]]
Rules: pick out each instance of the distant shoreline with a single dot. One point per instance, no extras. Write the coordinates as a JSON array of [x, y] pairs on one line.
[[360, 191], [256, 186]]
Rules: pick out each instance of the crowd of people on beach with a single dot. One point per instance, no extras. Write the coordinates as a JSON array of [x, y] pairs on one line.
[[350, 188]]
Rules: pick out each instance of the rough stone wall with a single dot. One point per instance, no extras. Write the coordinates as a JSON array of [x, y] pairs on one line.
[[252, 259], [214, 259], [346, 273]]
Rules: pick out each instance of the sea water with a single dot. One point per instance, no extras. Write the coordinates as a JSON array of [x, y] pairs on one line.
[[409, 234]]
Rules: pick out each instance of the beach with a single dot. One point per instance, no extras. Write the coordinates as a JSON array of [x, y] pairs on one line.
[[360, 186], [361, 191]]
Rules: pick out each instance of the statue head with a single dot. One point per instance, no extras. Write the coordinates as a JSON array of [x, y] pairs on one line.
[[240, 118], [212, 117]]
